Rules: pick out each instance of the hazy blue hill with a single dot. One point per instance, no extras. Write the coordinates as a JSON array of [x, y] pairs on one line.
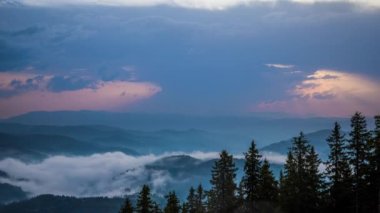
[[38, 146], [317, 139], [10, 193], [64, 204], [80, 132], [265, 129], [143, 142]]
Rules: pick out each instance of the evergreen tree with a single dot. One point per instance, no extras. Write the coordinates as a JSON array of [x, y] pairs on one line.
[[251, 178], [185, 208], [376, 165], [199, 200], [127, 206], [289, 191], [377, 151], [301, 185], [222, 194], [172, 203], [267, 188], [338, 171], [191, 201], [144, 201], [314, 182], [359, 153], [156, 208]]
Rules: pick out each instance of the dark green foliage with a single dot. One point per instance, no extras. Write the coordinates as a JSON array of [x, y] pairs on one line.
[[195, 201], [359, 153], [144, 201], [338, 171], [200, 200], [221, 197], [156, 208], [377, 159], [267, 188], [191, 200], [127, 207], [301, 184], [185, 208], [251, 178], [172, 203], [375, 168]]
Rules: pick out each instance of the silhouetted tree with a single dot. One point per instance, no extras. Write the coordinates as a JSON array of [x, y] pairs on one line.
[[191, 201], [185, 208], [127, 206], [221, 197], [199, 200], [359, 153], [172, 203], [338, 171], [374, 185], [144, 201], [301, 184], [251, 178], [377, 158], [156, 208], [315, 194], [267, 188]]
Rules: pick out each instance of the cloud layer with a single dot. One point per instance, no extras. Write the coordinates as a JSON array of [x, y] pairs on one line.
[[193, 4], [107, 174], [24, 92], [330, 93]]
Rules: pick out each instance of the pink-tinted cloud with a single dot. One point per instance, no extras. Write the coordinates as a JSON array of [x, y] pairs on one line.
[[329, 93], [103, 95]]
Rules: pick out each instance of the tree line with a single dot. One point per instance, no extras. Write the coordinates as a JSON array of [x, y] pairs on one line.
[[349, 181]]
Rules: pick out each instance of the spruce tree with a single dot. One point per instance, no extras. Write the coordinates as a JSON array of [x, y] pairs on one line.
[[144, 201], [191, 200], [377, 162], [359, 153], [314, 182], [172, 203], [338, 171], [289, 190], [185, 208], [127, 206], [267, 188], [301, 184], [156, 208], [222, 194], [251, 178], [199, 200]]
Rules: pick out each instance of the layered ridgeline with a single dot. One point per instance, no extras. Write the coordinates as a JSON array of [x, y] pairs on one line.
[[195, 169]]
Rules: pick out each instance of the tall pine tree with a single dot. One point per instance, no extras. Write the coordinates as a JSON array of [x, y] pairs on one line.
[[222, 197], [172, 203], [267, 188], [251, 178], [359, 153], [127, 206], [199, 200], [144, 201], [338, 171], [377, 160], [301, 184]]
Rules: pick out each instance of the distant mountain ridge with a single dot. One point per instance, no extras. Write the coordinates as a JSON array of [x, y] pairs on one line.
[[264, 129]]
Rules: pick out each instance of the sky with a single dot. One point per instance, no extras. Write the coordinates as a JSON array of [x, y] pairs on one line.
[[218, 57]]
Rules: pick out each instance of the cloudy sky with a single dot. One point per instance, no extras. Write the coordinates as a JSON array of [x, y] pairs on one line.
[[300, 57]]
